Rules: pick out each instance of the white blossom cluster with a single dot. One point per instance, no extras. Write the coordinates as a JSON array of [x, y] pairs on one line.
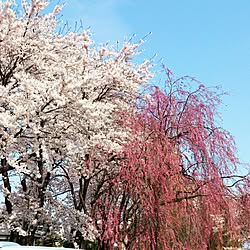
[[60, 89]]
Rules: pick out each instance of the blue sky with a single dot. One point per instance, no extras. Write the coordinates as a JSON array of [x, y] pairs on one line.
[[209, 40]]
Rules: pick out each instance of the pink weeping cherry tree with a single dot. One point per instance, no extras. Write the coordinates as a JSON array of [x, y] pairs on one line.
[[177, 187]]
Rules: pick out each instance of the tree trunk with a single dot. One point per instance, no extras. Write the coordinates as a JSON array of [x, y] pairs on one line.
[[4, 171]]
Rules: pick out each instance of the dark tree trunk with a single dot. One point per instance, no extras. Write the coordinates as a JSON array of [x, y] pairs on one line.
[[5, 167]]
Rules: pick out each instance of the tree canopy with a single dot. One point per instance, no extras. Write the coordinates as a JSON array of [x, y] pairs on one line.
[[92, 151]]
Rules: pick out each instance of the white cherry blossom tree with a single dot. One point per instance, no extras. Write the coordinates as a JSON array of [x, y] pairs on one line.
[[60, 131]]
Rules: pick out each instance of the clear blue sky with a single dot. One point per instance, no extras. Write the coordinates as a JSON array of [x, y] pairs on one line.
[[207, 39]]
